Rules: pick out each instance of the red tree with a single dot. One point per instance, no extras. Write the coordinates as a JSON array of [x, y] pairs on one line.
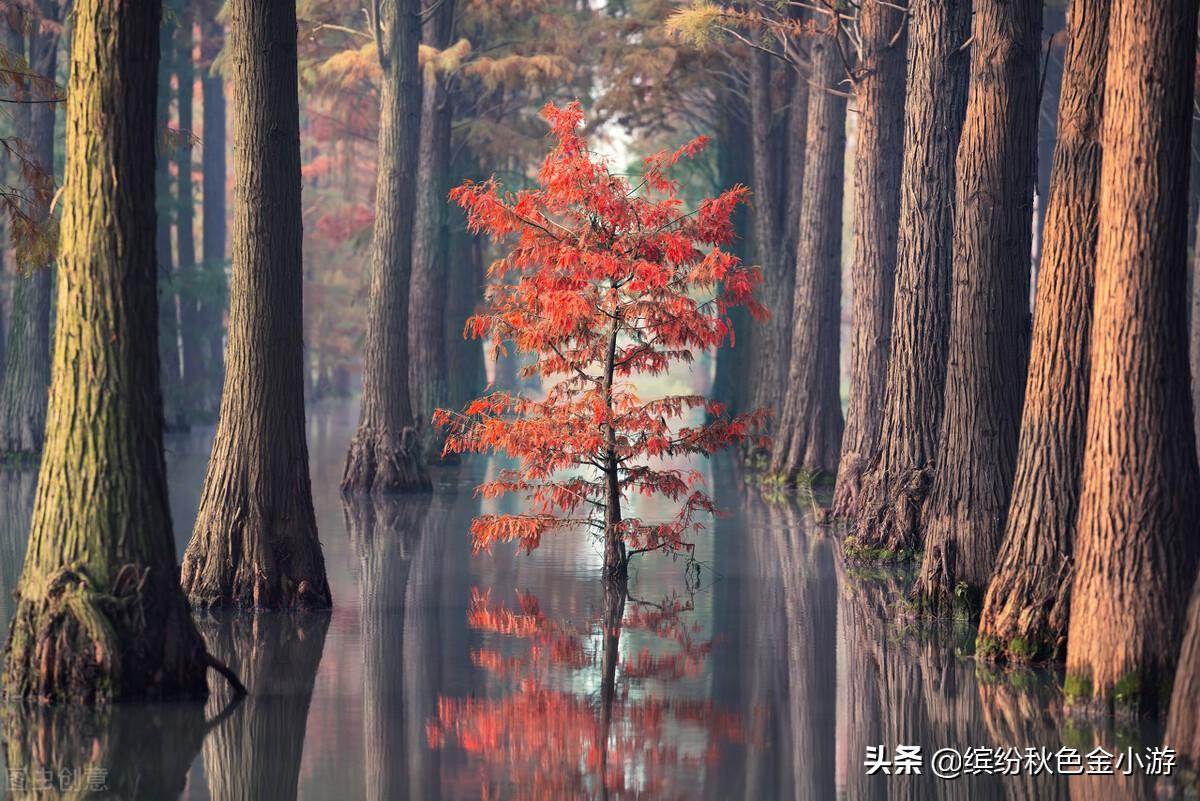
[[606, 281]]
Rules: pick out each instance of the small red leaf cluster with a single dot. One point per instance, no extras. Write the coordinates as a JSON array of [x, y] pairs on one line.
[[605, 281]]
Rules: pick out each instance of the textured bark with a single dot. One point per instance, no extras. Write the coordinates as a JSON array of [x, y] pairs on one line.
[[212, 309], [808, 434], [771, 341], [879, 97], [385, 455], [895, 486], [27, 360], [255, 543], [427, 351], [1136, 547], [254, 752], [1025, 610], [99, 615], [989, 321], [1194, 334]]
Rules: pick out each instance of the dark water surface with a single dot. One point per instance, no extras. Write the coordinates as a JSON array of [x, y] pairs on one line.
[[440, 675]]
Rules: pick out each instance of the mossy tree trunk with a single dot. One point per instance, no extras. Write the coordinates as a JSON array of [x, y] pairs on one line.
[[879, 98], [1136, 546], [27, 359], [99, 613], [255, 541], [385, 454], [427, 346], [808, 431], [897, 481], [989, 320], [1025, 609]]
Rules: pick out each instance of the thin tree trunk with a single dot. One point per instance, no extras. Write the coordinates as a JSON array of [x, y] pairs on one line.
[[195, 371], [385, 455], [808, 434], [879, 96], [1025, 609], [989, 320], [894, 488], [27, 361], [100, 616], [168, 343], [427, 378], [1136, 547], [212, 87], [255, 542]]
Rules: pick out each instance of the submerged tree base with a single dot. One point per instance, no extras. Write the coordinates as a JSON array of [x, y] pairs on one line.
[[848, 488], [888, 524], [1025, 616], [380, 461], [77, 643]]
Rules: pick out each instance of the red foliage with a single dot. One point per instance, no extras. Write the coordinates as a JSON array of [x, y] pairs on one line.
[[605, 282]]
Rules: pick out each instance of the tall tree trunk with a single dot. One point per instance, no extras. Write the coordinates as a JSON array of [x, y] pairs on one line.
[[772, 340], [27, 361], [1025, 609], [427, 378], [879, 96], [174, 413], [808, 434], [187, 285], [385, 455], [100, 616], [1136, 546], [212, 87], [467, 370], [255, 542], [895, 486], [989, 319]]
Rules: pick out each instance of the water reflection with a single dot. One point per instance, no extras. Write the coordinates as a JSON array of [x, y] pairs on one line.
[[253, 751], [443, 676]]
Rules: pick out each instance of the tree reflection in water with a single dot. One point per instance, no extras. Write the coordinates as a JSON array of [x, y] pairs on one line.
[[578, 713]]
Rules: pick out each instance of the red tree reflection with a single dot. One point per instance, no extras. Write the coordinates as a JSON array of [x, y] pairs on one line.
[[576, 716]]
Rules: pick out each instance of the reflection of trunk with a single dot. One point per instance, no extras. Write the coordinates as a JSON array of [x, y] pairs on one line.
[[100, 615], [1025, 610], [808, 433], [254, 753], [401, 568], [255, 542], [120, 751], [385, 455], [1136, 547], [879, 96], [615, 595], [431, 242], [989, 332], [1016, 717], [897, 481], [27, 361]]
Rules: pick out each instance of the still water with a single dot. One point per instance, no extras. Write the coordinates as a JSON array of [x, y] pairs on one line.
[[442, 675]]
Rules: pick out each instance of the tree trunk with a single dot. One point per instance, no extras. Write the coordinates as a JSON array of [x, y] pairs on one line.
[[174, 413], [1136, 547], [1025, 609], [427, 350], [255, 751], [255, 542], [467, 370], [879, 96], [100, 616], [989, 318], [771, 341], [808, 434], [27, 361], [894, 487], [212, 87], [195, 371], [385, 455]]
